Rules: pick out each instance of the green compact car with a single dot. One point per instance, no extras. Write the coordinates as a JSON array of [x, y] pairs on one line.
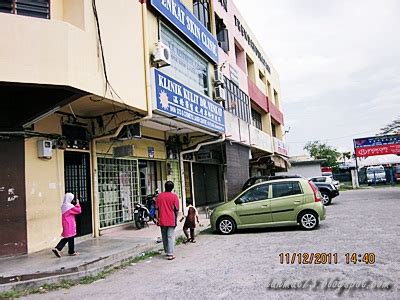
[[281, 202]]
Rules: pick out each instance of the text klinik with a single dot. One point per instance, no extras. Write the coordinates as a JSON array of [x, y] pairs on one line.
[[188, 95], [180, 15]]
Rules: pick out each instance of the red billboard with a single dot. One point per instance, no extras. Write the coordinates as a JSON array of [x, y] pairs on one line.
[[379, 145]]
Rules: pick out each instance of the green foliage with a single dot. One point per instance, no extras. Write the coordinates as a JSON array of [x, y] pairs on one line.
[[319, 150], [345, 155]]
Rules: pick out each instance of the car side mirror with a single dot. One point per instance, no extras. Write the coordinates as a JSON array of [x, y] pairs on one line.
[[239, 201]]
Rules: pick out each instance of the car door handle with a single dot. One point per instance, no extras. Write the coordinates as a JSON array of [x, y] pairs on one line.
[[265, 205], [297, 202]]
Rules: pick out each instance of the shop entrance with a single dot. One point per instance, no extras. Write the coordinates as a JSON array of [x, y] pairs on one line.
[[77, 181], [207, 184], [154, 173]]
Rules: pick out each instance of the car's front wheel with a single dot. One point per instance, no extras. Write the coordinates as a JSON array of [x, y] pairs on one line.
[[308, 220], [326, 199], [226, 225]]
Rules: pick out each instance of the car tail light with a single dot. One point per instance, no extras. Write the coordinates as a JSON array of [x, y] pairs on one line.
[[315, 190]]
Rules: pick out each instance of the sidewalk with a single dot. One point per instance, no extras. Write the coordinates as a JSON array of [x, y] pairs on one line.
[[111, 249]]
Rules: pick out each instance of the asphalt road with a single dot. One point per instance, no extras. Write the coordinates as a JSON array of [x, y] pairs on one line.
[[247, 265]]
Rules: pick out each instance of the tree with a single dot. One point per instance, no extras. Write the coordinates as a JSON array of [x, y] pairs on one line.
[[345, 155], [319, 150], [392, 128]]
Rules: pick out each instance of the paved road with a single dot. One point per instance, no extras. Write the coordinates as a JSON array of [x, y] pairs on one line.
[[246, 265]]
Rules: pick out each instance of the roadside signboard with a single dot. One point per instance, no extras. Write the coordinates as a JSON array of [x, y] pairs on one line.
[[378, 145]]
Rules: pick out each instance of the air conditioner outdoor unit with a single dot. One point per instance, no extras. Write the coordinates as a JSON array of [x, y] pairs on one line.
[[162, 54], [218, 77], [220, 93]]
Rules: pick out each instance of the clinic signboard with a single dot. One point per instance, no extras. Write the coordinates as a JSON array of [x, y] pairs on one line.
[[189, 25], [378, 145], [177, 100]]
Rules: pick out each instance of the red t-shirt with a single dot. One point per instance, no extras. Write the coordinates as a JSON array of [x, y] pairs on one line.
[[167, 204]]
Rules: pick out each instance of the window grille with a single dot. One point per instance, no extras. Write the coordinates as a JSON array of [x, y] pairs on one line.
[[256, 118], [118, 188], [237, 101], [31, 8], [201, 9]]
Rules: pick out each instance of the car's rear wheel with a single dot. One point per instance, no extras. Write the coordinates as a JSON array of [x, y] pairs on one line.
[[308, 220], [226, 225], [326, 199]]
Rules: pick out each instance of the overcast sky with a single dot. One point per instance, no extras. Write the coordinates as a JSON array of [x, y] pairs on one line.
[[338, 61]]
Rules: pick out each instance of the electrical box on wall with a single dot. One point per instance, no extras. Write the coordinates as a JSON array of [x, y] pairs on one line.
[[45, 148]]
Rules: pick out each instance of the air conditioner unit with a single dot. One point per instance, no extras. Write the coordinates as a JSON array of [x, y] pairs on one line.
[[218, 77], [220, 93], [162, 55]]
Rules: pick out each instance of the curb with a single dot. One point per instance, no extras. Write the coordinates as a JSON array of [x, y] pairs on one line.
[[92, 268]]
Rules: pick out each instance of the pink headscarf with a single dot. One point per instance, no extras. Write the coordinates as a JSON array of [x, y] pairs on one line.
[[67, 205]]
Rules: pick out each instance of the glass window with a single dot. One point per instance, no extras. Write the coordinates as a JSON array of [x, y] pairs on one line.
[[222, 34], [256, 118], [237, 101], [187, 66], [283, 189], [273, 127], [31, 8], [257, 193], [201, 9]]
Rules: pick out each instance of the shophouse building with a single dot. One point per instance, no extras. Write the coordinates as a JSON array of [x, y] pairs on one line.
[[109, 99]]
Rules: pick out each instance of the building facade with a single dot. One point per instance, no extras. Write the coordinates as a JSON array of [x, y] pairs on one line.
[[108, 99], [254, 118]]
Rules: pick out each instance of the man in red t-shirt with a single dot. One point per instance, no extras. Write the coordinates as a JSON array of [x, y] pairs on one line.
[[167, 207]]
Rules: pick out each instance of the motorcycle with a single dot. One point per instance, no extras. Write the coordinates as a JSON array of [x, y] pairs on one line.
[[143, 213], [151, 205], [140, 215]]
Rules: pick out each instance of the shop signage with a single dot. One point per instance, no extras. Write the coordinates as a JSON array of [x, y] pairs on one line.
[[280, 147], [176, 99], [187, 66], [252, 45], [122, 151], [150, 151], [204, 155], [378, 145], [189, 25]]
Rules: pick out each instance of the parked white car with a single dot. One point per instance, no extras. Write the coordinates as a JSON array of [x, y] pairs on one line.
[[376, 174], [326, 179]]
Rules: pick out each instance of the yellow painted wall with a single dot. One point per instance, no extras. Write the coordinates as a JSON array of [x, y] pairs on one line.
[[140, 148], [66, 49], [44, 191]]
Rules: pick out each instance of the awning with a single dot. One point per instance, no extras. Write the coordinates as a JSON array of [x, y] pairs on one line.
[[281, 161]]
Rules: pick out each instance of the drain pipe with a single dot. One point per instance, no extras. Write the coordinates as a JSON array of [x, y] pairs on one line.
[[199, 145], [146, 57]]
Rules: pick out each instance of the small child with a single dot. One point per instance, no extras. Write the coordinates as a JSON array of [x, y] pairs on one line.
[[190, 222], [68, 210]]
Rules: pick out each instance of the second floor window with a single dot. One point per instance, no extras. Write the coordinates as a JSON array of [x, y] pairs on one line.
[[273, 127], [31, 8], [256, 118], [237, 101], [201, 9], [222, 34]]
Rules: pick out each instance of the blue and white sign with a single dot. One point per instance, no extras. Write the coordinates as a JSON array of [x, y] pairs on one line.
[[176, 99], [185, 21]]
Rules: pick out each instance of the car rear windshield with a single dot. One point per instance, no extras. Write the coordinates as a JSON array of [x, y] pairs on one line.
[[376, 170]]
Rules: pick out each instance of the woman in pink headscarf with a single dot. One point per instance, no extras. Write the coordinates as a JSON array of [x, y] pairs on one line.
[[68, 211]]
